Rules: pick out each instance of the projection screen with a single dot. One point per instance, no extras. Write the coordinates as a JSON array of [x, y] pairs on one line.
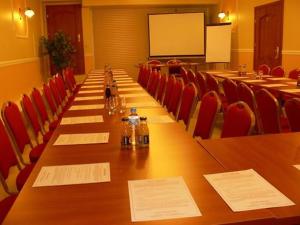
[[176, 34]]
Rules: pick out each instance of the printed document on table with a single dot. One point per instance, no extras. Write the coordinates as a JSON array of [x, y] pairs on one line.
[[120, 76], [142, 104], [274, 85], [124, 81], [279, 78], [94, 79], [92, 82], [88, 98], [127, 84], [73, 174], [255, 81], [247, 190], [160, 119], [297, 166], [131, 89], [291, 90], [86, 107], [159, 199], [79, 139], [142, 94], [81, 120], [90, 92], [91, 86]]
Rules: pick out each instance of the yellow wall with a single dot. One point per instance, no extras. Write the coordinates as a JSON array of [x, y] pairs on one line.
[[88, 38], [243, 35], [20, 68]]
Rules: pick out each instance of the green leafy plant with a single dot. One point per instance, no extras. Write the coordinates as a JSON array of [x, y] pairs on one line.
[[60, 50]]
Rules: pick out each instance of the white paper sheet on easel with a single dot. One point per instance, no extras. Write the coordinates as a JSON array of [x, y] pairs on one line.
[[81, 120], [158, 199], [247, 190], [80, 139], [89, 98], [87, 107], [73, 174]]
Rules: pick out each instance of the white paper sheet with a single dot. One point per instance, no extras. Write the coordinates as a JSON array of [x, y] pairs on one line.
[[227, 75], [279, 78], [247, 190], [131, 89], [73, 174], [93, 82], [127, 84], [89, 98], [122, 78], [86, 107], [90, 92], [239, 78], [79, 139], [160, 119], [266, 76], [297, 166], [81, 120], [94, 79], [92, 86], [96, 76], [142, 104], [158, 199], [134, 95], [291, 90], [274, 85], [125, 81], [292, 82], [255, 81]]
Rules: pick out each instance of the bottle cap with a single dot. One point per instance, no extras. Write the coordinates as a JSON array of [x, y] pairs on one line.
[[125, 119], [133, 110], [143, 118]]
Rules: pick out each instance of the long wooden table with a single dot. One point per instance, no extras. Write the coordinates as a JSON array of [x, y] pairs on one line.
[[172, 152]]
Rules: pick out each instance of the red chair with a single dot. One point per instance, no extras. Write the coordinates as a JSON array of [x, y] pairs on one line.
[[230, 90], [5, 206], [49, 97], [294, 74], [246, 94], [188, 103], [212, 83], [268, 112], [41, 109], [145, 77], [69, 72], [67, 100], [161, 88], [191, 76], [201, 81], [175, 97], [292, 109], [14, 122], [140, 76], [152, 77], [154, 85], [210, 106], [264, 68], [174, 66], [239, 120], [33, 118], [169, 89], [154, 64], [277, 71], [183, 74], [56, 96], [8, 160]]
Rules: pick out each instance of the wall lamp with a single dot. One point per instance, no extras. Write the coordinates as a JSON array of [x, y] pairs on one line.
[[222, 15], [29, 12]]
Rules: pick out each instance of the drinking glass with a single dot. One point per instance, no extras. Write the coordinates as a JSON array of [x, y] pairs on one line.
[[122, 104]]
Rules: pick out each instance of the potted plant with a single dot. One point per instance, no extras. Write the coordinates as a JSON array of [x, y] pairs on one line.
[[60, 50]]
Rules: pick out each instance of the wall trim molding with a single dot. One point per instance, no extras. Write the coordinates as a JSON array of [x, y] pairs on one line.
[[290, 52], [89, 55], [18, 61], [243, 50]]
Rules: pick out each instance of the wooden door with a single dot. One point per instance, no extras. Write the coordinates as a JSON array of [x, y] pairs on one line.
[[67, 18], [268, 34]]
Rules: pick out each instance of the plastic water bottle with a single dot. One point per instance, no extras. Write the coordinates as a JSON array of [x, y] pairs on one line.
[[133, 120]]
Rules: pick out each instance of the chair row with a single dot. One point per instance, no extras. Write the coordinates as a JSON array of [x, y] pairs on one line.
[[22, 145], [278, 71]]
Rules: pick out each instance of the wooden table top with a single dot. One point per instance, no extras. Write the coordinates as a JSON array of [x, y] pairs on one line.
[[272, 156], [172, 152]]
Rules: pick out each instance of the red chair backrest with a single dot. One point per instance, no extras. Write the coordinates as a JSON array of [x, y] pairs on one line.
[[211, 83], [70, 72], [238, 121], [152, 76], [161, 87], [209, 107], [14, 121], [174, 67], [184, 76], [191, 76], [140, 76], [277, 71], [268, 112], [39, 104], [292, 109], [31, 113], [49, 97], [294, 74], [188, 102], [154, 85], [7, 155], [153, 64], [55, 92], [145, 77], [175, 97], [246, 94], [169, 88], [264, 68], [230, 90], [201, 81], [60, 86]]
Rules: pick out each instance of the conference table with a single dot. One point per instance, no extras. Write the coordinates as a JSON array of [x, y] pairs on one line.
[[172, 153]]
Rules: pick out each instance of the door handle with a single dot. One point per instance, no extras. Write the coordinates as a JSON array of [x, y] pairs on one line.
[[78, 38], [277, 52]]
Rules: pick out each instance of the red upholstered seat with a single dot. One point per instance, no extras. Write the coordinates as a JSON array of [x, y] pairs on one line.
[[184, 76], [161, 88], [201, 81], [277, 71], [210, 106], [191, 76], [5, 206], [8, 159], [238, 121], [264, 68], [292, 109], [14, 121], [294, 74], [230, 90], [175, 97], [169, 88], [188, 103]]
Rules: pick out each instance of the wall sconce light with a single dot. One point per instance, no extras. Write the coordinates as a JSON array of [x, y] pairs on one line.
[[222, 15], [29, 12]]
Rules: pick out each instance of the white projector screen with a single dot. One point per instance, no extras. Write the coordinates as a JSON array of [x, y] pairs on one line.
[[218, 43], [176, 34]]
